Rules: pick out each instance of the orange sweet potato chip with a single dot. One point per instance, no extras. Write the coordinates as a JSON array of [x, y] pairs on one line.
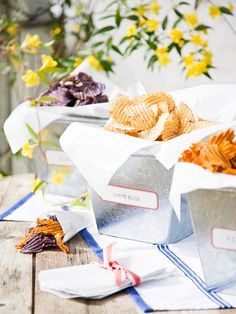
[[218, 154]]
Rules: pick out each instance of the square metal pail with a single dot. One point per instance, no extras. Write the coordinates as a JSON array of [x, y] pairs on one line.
[[214, 221], [50, 160], [140, 180]]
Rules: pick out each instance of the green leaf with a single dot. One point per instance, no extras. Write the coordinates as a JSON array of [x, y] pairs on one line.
[[164, 23], [197, 2], [152, 61], [202, 27], [151, 44], [50, 144], [40, 185], [179, 14], [109, 43], [116, 49], [107, 17], [110, 5], [225, 10], [118, 17], [184, 3], [104, 29], [207, 75], [43, 77], [32, 133], [178, 49], [97, 44], [132, 17], [177, 22], [45, 99]]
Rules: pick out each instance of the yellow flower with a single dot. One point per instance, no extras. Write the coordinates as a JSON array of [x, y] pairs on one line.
[[34, 184], [191, 19], [56, 31], [31, 42], [161, 50], [27, 149], [94, 63], [189, 59], [197, 40], [48, 62], [214, 11], [31, 78], [164, 59], [1, 176], [155, 7], [57, 178], [230, 7], [77, 62], [176, 35], [152, 25], [163, 56], [75, 28], [132, 31], [208, 57], [65, 169], [140, 10], [142, 22], [197, 69], [12, 29]]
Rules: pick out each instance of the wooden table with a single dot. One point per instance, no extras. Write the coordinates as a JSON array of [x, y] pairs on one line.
[[19, 289]]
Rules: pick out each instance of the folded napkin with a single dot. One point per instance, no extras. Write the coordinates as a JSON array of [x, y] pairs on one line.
[[100, 279], [184, 289], [32, 206]]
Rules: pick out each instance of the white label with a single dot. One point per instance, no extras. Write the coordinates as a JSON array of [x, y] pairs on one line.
[[57, 157], [131, 197], [224, 238]]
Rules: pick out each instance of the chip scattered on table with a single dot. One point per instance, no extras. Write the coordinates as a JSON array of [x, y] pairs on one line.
[[47, 233]]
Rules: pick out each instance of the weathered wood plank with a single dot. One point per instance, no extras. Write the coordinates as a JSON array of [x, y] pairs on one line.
[[15, 271], [12, 189], [79, 254]]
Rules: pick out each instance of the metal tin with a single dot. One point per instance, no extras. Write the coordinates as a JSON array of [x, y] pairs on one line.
[[142, 173], [214, 220], [50, 159]]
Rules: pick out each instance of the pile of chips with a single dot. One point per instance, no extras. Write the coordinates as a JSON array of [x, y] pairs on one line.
[[153, 116], [76, 90], [47, 233], [218, 154]]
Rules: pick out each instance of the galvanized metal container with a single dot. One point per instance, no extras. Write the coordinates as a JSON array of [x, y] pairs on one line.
[[50, 160], [214, 220], [140, 179]]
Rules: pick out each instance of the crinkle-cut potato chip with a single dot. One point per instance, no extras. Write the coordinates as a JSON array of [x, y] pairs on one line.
[[186, 117], [141, 117], [171, 127], [155, 132], [155, 109], [117, 108], [156, 98], [222, 137], [113, 126], [218, 154]]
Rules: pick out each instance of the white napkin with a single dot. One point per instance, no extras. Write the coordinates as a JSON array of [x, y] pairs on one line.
[[188, 177], [209, 101], [93, 281], [111, 150], [33, 206], [71, 222]]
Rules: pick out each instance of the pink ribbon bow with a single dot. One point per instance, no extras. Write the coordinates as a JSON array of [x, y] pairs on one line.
[[121, 273]]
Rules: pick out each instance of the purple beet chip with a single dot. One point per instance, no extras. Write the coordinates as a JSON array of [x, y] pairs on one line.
[[37, 242]]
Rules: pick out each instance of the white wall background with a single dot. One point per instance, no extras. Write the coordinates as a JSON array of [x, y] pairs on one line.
[[222, 42]]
